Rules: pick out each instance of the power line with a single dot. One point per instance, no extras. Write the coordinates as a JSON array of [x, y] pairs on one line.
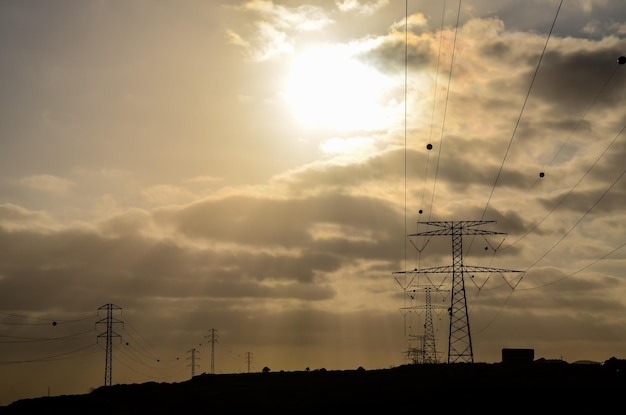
[[577, 222], [432, 115], [589, 265], [532, 82], [571, 190], [45, 321], [582, 118], [445, 111], [23, 339], [59, 356], [141, 341]]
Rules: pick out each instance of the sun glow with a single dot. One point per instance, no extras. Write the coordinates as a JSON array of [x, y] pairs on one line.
[[329, 88]]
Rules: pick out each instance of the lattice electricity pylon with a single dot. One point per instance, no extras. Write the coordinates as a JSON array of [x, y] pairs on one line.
[[109, 334], [193, 361], [416, 354], [459, 339], [429, 350], [213, 338]]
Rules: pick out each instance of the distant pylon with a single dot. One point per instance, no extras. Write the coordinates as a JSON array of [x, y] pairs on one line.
[[459, 339], [429, 349], [193, 361], [248, 359], [108, 334], [416, 354], [213, 339]]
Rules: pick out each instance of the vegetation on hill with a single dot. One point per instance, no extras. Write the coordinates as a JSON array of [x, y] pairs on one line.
[[479, 386]]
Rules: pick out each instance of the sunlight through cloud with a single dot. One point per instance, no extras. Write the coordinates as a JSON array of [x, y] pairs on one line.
[[328, 87]]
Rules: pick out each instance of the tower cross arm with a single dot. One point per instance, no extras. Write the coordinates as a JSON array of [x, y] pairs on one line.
[[449, 269], [449, 231], [465, 227], [425, 307], [458, 224]]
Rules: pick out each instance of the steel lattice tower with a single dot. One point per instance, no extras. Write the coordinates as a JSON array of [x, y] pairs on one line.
[[193, 361], [248, 359], [213, 340], [416, 354], [429, 349], [460, 339], [108, 334]]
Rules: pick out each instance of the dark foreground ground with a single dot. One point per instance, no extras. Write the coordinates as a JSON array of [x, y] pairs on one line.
[[488, 388]]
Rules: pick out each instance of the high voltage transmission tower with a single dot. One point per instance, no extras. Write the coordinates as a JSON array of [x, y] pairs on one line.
[[416, 354], [193, 361], [248, 359], [428, 351], [213, 339], [109, 320], [459, 338]]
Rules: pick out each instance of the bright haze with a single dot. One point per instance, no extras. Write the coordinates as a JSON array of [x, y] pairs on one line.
[[238, 179]]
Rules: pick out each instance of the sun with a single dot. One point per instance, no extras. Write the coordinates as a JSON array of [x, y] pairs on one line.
[[329, 88]]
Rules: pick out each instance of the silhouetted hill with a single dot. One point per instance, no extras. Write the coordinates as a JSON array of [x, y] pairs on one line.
[[506, 388]]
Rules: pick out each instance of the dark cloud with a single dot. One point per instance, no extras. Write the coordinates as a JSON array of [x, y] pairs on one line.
[[276, 222], [572, 80]]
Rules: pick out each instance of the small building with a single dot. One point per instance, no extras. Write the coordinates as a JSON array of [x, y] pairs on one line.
[[518, 356]]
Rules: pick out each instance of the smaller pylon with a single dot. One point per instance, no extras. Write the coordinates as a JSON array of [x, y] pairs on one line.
[[193, 361], [109, 320], [213, 339], [429, 349]]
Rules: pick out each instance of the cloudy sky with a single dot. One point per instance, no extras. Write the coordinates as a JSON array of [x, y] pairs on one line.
[[249, 172]]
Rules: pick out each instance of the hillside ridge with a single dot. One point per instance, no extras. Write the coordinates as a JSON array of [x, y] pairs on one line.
[[455, 386]]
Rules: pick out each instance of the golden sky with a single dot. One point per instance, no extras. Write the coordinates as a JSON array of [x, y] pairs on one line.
[[255, 167]]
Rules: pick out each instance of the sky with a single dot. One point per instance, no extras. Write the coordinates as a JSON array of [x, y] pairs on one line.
[[246, 183]]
